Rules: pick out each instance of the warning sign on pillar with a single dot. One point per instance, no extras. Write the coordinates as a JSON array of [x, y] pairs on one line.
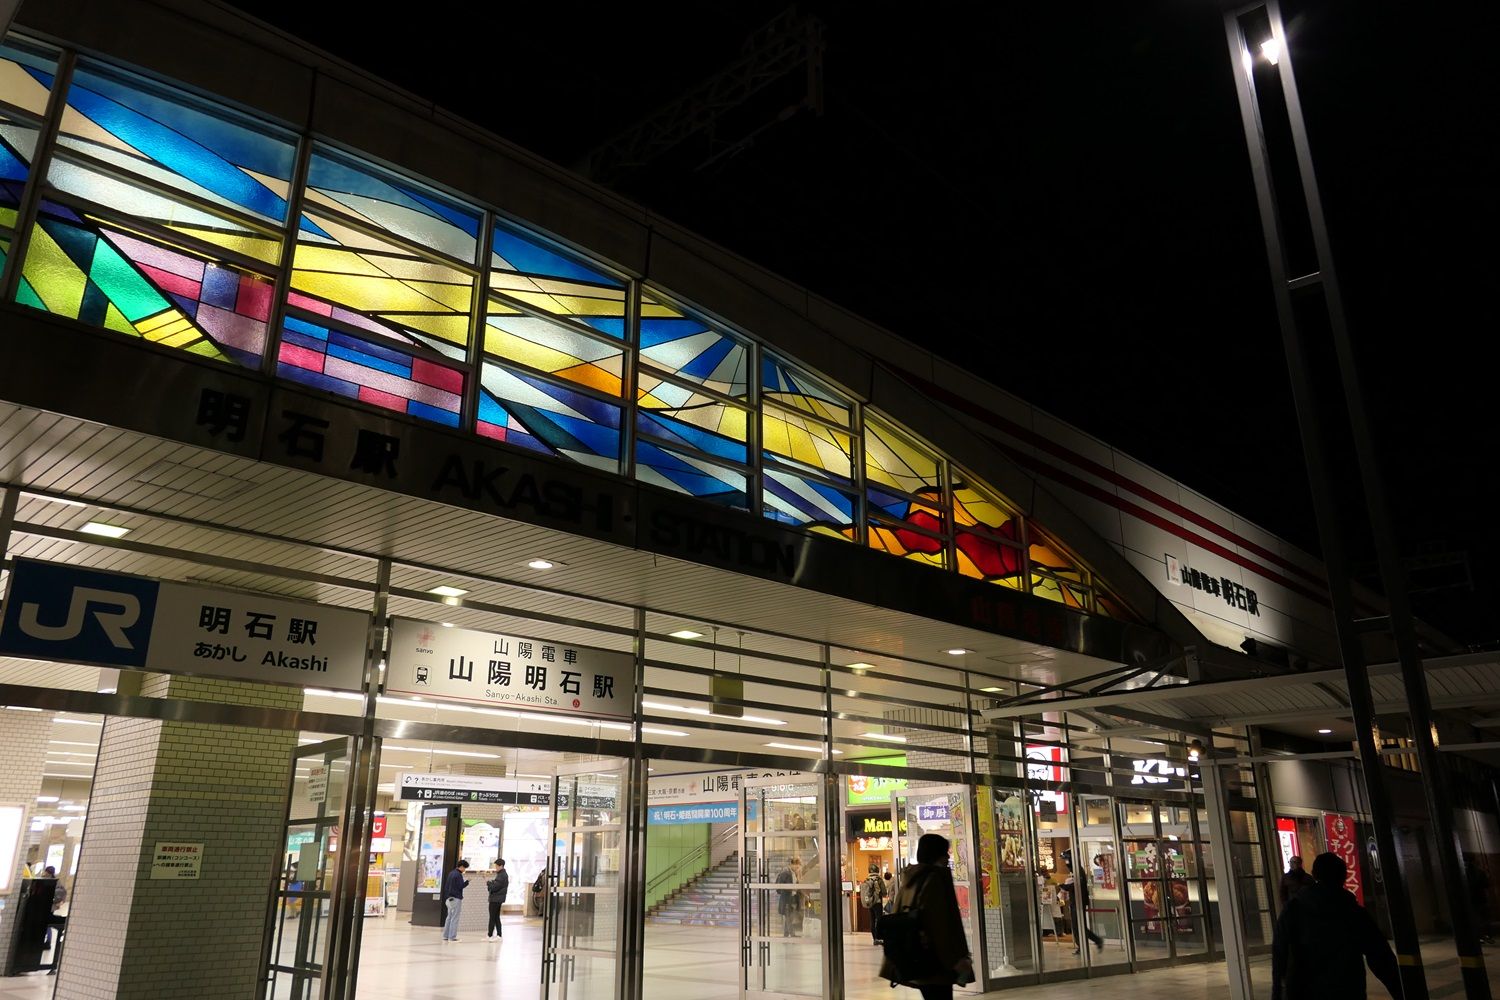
[[174, 861]]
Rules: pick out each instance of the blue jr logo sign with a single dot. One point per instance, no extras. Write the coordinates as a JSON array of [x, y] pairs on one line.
[[64, 612]]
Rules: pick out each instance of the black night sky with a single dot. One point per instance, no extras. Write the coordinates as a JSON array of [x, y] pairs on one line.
[[1058, 196]]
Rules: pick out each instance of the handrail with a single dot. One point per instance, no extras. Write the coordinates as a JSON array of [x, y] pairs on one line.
[[706, 853]]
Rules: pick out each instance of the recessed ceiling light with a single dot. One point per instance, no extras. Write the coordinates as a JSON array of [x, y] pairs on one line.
[[541, 564], [1324, 732], [447, 591], [47, 798], [861, 667], [685, 633], [956, 651], [883, 737], [104, 530], [447, 624], [991, 690]]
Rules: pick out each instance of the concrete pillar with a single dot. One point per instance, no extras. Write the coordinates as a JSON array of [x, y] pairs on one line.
[[224, 787], [23, 749]]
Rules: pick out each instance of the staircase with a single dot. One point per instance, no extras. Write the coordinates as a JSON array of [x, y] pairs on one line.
[[710, 900]]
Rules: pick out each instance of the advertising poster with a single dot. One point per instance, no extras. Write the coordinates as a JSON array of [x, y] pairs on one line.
[[989, 849]]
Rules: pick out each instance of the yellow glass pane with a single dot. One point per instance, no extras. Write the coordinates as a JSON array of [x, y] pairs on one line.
[[895, 460], [1048, 556], [256, 247], [451, 327], [974, 506], [907, 545]]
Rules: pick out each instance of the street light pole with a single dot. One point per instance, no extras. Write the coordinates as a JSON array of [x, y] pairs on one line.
[[1308, 296]]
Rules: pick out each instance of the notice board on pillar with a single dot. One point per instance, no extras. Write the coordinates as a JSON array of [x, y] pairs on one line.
[[175, 861]]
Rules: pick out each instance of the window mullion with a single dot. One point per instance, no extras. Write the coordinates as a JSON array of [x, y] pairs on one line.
[[630, 377], [296, 192], [469, 415], [41, 159]]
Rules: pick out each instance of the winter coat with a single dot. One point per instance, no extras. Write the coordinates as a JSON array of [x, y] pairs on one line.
[[499, 886], [931, 888], [1323, 939], [1292, 883]]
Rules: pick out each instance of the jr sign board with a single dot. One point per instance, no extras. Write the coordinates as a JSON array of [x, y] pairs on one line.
[[76, 615], [432, 661]]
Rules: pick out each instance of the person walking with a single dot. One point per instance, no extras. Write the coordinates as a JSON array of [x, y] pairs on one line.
[[499, 888], [59, 897], [789, 901], [927, 887], [1294, 881], [872, 898], [1323, 940], [1077, 887], [453, 900]]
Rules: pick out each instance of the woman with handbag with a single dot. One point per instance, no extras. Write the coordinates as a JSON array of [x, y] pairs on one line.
[[927, 950]]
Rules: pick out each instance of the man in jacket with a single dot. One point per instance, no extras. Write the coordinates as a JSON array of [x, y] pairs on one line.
[[1294, 881], [928, 886], [499, 888], [1323, 939], [453, 900], [872, 898]]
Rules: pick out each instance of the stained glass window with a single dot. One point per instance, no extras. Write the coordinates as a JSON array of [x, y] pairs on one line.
[[680, 416], [690, 349], [814, 505], [17, 146], [177, 143], [528, 271], [539, 415], [690, 474], [792, 438], [987, 539], [1055, 575], [159, 219], [906, 541], [26, 75], [556, 349], [893, 459], [784, 383], [377, 312]]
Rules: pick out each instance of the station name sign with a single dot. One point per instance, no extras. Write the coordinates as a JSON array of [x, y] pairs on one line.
[[71, 614], [1236, 595], [431, 660]]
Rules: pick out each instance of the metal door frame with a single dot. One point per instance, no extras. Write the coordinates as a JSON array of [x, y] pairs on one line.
[[556, 959], [750, 937], [978, 942]]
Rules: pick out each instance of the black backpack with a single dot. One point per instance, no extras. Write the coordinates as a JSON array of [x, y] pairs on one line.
[[904, 934]]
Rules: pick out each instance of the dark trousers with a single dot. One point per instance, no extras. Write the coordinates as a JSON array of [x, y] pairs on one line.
[[1079, 930], [495, 927], [875, 914], [939, 991]]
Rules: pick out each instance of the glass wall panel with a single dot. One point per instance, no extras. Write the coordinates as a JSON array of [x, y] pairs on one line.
[[533, 413], [894, 459], [1096, 874], [680, 416], [816, 506], [793, 439], [554, 348], [792, 388], [26, 75], [526, 270], [685, 473], [678, 344]]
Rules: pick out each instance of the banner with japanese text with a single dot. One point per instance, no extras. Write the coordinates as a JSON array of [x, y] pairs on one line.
[[431, 660], [54, 611], [1342, 837]]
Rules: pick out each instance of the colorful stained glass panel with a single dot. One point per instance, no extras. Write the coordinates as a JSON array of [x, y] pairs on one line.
[[907, 543], [690, 474], [84, 269], [390, 286], [692, 419], [557, 349], [533, 413], [977, 507], [325, 357], [893, 459], [179, 142], [985, 557], [815, 506], [1063, 592], [1047, 555], [389, 203], [17, 146], [26, 76], [690, 349], [791, 438], [525, 269], [788, 385]]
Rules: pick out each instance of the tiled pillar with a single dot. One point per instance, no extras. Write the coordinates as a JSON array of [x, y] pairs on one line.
[[23, 751], [133, 938]]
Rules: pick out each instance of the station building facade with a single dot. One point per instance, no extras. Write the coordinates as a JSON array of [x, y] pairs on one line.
[[450, 505]]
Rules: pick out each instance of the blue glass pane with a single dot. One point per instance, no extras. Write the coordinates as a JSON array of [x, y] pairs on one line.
[[515, 250], [532, 413], [693, 476], [795, 500], [177, 141], [397, 205]]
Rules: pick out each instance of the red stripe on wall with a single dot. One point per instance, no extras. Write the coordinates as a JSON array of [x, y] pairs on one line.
[[957, 402]]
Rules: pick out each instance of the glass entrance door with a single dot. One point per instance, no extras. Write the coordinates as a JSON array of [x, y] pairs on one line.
[[584, 910], [298, 933], [1167, 917], [782, 944], [944, 810]]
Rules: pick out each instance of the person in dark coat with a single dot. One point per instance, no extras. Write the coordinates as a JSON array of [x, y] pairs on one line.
[[1077, 887], [1323, 940], [928, 885], [1294, 881], [499, 888]]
